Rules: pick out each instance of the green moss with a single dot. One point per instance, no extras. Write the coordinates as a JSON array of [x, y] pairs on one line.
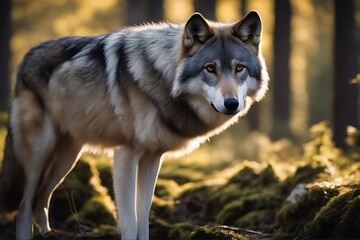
[[349, 226], [247, 198], [244, 177], [180, 230], [214, 233], [253, 198], [106, 177], [73, 193], [231, 212], [255, 210], [100, 232], [320, 143], [181, 175], [304, 174], [260, 219], [327, 221], [105, 232], [162, 209], [81, 198], [292, 218], [192, 202], [248, 178], [266, 178], [93, 213], [166, 188], [196, 189], [161, 229], [223, 196], [246, 182]]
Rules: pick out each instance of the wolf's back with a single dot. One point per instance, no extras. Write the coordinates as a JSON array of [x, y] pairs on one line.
[[41, 61]]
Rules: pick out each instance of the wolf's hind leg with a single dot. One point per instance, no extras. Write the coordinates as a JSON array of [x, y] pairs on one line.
[[148, 172], [65, 156], [34, 137]]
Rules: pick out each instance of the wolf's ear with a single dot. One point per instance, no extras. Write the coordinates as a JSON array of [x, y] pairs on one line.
[[249, 30], [196, 31]]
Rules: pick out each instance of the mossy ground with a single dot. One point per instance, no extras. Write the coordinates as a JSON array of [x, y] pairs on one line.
[[214, 186]]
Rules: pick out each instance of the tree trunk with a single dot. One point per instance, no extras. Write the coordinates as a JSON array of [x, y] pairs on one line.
[[206, 8], [281, 81], [140, 11], [345, 95], [155, 10], [135, 12], [5, 22], [243, 8]]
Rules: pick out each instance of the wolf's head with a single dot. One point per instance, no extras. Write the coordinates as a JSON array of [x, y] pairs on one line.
[[221, 64]]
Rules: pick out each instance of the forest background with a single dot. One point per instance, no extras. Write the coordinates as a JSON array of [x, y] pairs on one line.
[[312, 51]]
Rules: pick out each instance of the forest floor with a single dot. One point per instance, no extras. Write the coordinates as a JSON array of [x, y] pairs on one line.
[[224, 190]]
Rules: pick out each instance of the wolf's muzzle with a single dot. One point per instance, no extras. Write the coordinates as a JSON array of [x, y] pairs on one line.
[[231, 104]]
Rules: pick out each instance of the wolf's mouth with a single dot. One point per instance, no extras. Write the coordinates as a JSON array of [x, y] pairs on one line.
[[226, 113], [213, 106]]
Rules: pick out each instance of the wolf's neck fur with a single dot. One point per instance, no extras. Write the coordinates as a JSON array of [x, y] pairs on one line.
[[146, 49], [150, 55], [159, 46]]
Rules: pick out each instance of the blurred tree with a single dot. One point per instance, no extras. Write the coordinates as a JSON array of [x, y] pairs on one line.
[[5, 22], [206, 8], [281, 81], [155, 11], [135, 11], [140, 11], [345, 95], [243, 8], [254, 114], [320, 54]]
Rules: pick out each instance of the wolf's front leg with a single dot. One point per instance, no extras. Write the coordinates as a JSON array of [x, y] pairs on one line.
[[125, 170], [148, 171]]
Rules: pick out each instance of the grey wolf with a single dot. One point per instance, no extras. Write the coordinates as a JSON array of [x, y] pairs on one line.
[[144, 91]]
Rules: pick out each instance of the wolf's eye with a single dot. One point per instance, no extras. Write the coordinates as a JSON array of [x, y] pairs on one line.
[[239, 68], [210, 68]]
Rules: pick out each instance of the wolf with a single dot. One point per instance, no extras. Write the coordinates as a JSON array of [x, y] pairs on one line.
[[143, 91]]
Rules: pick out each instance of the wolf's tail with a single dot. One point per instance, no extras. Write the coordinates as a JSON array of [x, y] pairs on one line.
[[11, 180]]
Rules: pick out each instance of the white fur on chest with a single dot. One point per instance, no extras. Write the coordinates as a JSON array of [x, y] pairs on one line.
[[148, 127]]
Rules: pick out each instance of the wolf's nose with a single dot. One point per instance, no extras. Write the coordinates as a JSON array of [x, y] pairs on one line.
[[231, 104]]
